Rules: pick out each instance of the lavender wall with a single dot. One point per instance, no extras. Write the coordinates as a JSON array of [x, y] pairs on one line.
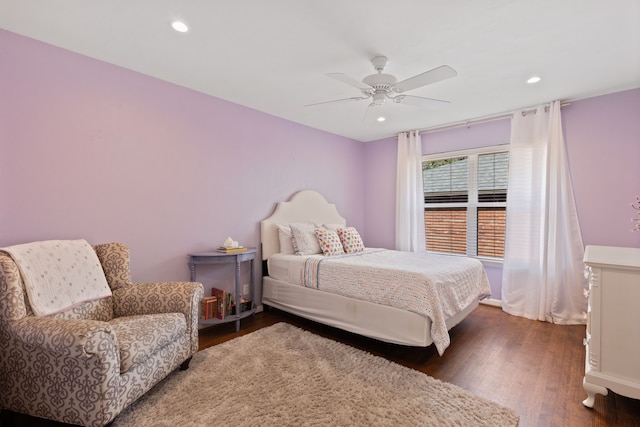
[[602, 135], [90, 150], [603, 141]]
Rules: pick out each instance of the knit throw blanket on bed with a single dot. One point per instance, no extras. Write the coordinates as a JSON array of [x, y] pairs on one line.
[[59, 274]]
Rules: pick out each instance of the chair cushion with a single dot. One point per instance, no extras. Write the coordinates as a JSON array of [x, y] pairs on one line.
[[101, 310], [142, 336]]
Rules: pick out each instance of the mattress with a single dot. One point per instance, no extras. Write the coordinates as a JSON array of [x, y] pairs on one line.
[[287, 267], [290, 268]]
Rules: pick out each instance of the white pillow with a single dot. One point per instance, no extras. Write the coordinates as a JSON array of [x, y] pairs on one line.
[[304, 240], [284, 236]]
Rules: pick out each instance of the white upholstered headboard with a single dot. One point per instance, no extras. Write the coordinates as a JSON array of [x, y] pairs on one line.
[[304, 206]]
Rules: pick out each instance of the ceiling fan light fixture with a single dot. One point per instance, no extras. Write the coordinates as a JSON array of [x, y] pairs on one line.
[[379, 98], [381, 119], [179, 26]]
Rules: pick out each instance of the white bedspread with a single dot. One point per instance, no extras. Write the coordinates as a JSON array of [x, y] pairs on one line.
[[436, 286], [59, 274]]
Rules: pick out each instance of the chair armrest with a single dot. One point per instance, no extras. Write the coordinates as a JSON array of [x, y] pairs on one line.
[[74, 338], [162, 297], [63, 369]]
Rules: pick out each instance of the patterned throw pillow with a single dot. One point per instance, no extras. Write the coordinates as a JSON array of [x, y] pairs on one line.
[[351, 240], [329, 241], [115, 261], [304, 239]]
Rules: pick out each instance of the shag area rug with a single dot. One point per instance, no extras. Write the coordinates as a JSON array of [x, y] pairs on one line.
[[285, 376]]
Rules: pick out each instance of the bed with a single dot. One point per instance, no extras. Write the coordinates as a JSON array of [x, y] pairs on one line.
[[310, 286]]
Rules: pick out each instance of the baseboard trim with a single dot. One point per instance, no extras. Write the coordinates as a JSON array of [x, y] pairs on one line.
[[492, 302]]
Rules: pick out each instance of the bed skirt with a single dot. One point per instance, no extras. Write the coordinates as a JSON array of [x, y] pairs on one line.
[[372, 320]]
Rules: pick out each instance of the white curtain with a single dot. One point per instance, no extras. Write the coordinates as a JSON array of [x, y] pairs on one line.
[[409, 194], [543, 273]]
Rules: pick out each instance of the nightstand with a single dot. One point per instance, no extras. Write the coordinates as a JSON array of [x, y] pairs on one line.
[[237, 258]]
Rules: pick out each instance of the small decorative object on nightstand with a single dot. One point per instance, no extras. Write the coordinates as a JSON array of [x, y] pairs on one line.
[[246, 305], [613, 320]]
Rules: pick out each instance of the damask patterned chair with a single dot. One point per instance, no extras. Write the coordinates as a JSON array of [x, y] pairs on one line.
[[86, 364]]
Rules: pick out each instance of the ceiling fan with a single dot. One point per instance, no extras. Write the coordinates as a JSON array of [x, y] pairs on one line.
[[381, 87]]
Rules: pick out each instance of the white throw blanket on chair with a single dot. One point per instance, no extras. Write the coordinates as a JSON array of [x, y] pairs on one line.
[[59, 274]]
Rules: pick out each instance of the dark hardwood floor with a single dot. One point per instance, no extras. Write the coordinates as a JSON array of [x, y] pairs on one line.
[[535, 368]]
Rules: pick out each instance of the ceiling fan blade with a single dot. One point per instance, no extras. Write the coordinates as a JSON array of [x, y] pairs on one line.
[[349, 80], [353, 98], [428, 77], [420, 101]]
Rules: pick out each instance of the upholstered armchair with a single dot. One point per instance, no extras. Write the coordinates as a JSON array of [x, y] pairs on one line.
[[85, 364]]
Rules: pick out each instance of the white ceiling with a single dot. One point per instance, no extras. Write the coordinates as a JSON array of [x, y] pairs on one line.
[[272, 55]]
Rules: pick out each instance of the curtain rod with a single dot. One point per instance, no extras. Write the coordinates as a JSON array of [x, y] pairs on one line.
[[486, 119]]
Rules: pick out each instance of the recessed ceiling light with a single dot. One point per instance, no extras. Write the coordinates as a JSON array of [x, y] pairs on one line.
[[180, 26], [533, 79], [381, 119]]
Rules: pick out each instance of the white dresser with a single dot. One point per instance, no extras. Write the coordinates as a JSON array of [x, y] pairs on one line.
[[613, 323]]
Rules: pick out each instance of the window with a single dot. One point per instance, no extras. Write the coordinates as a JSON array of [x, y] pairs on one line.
[[465, 195]]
